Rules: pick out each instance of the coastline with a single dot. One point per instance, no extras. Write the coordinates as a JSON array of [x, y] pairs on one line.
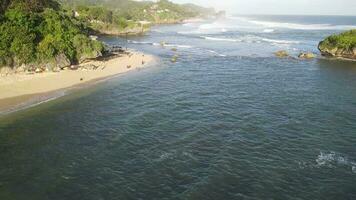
[[20, 91]]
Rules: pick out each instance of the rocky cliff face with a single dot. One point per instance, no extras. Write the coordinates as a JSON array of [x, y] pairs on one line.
[[337, 52], [339, 46]]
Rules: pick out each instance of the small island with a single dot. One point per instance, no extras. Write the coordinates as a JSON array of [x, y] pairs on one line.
[[340, 46]]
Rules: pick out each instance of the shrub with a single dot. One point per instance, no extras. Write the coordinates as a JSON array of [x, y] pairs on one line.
[[345, 40]]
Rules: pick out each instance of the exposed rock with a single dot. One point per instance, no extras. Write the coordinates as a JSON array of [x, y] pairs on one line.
[[174, 58], [4, 71], [307, 55], [337, 52], [90, 56], [281, 54], [341, 45], [21, 69], [56, 69], [89, 67], [174, 49], [61, 61], [74, 67], [39, 70]]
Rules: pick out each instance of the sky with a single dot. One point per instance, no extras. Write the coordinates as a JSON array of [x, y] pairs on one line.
[[292, 7]]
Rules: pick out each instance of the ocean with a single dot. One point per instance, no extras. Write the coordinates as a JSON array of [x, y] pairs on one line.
[[228, 120]]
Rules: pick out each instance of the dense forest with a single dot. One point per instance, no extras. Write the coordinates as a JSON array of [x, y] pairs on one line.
[[50, 32], [40, 32]]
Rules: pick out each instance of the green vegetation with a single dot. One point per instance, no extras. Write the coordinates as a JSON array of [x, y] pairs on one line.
[[38, 31], [127, 16], [341, 46], [346, 41]]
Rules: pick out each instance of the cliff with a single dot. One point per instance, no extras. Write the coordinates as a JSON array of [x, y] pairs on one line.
[[340, 46]]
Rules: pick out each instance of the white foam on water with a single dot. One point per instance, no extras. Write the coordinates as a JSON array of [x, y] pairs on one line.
[[158, 44], [268, 30], [271, 24], [280, 41], [221, 39], [333, 159], [178, 45], [214, 52], [251, 39]]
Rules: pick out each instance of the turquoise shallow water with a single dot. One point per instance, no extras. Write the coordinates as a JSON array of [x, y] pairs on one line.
[[224, 122]]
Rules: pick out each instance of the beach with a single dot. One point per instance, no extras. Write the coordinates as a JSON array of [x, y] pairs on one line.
[[17, 89]]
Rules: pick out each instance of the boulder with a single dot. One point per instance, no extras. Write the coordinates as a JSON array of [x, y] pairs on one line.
[[21, 69], [61, 61], [4, 71], [39, 70], [281, 54], [89, 67], [307, 55], [174, 59], [74, 67], [90, 56]]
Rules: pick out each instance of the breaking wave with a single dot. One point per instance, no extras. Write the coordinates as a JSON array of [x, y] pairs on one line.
[[158, 44], [270, 24], [251, 39]]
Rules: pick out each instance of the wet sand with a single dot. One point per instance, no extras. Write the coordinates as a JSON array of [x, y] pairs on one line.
[[19, 91]]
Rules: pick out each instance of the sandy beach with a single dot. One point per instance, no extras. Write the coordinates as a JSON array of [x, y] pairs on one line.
[[18, 88]]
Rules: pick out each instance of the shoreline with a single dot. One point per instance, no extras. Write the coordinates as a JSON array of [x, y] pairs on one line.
[[22, 91]]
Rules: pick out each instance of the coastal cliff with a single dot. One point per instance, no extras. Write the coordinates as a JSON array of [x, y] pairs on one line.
[[339, 46]]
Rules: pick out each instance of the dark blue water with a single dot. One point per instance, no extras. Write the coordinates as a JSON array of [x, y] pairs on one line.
[[227, 121]]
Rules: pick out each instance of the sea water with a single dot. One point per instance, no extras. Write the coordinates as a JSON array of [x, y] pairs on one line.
[[228, 120]]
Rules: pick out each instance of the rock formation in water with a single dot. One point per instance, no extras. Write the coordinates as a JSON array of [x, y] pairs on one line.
[[339, 46], [307, 55]]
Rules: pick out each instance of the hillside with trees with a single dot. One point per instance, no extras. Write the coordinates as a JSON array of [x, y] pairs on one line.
[[131, 17], [39, 33], [53, 34]]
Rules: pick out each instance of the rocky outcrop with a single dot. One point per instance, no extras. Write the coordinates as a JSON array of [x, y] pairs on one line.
[[337, 52], [281, 54], [342, 45], [306, 55]]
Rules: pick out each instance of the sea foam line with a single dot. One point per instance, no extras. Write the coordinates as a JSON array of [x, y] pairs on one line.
[[290, 25], [251, 39]]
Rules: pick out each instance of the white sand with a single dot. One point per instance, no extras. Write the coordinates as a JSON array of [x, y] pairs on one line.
[[23, 84]]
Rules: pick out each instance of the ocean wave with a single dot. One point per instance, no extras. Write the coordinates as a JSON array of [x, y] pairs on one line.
[[221, 39], [158, 44], [216, 53], [251, 39], [270, 24], [208, 28], [178, 46], [280, 41], [268, 30]]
